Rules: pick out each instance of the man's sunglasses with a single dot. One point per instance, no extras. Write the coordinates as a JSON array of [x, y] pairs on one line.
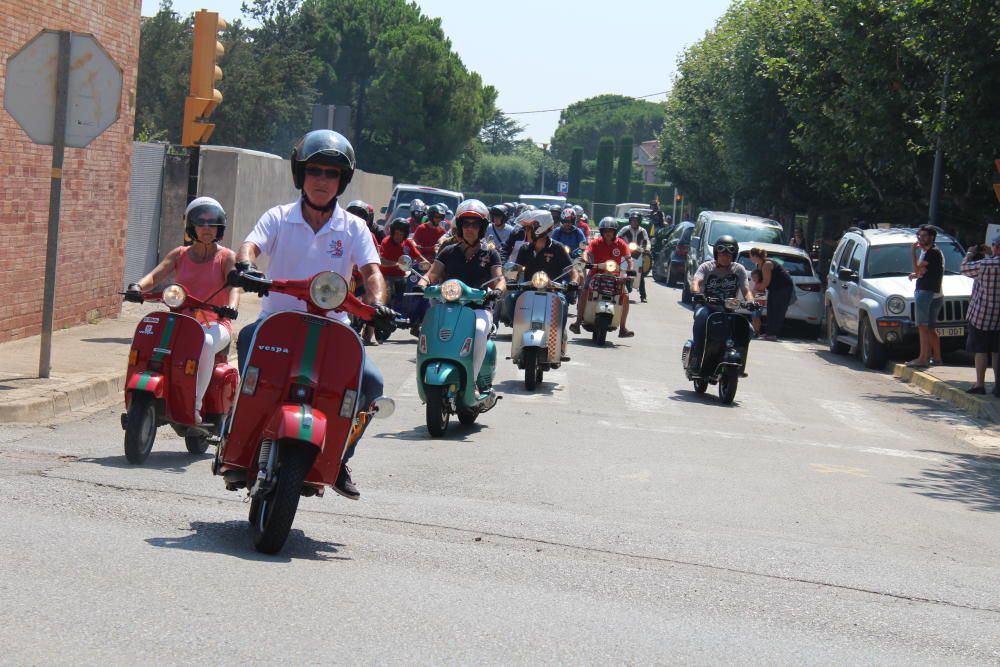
[[317, 172], [726, 248], [207, 222]]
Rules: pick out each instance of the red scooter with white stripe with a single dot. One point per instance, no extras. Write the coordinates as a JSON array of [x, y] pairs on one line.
[[295, 414]]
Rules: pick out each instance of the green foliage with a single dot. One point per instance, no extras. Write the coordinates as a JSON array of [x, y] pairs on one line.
[[801, 104], [636, 191], [587, 188], [504, 173], [163, 74], [624, 173], [603, 186], [583, 123], [575, 172], [500, 133]]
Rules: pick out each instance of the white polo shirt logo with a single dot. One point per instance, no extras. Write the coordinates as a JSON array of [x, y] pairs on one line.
[[336, 248]]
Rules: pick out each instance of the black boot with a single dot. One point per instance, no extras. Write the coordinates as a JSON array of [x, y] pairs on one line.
[[345, 486]]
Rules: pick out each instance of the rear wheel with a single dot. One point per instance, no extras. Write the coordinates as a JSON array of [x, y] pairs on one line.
[[833, 332], [271, 516], [437, 411], [601, 323], [140, 427], [701, 386], [728, 382], [196, 444], [873, 352], [467, 417], [530, 368]]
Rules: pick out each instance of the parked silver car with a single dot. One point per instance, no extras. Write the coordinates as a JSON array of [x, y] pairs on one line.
[[808, 305]]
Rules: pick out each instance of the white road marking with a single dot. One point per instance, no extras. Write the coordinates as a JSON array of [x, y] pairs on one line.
[[856, 417], [554, 389], [646, 396], [763, 410]]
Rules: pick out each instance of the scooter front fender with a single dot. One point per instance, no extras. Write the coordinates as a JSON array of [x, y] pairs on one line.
[[533, 338], [303, 423], [605, 308], [147, 381], [441, 373]]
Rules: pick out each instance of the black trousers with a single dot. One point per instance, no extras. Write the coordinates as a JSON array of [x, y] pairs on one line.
[[777, 306]]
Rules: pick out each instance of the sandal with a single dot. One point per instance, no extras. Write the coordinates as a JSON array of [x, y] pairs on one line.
[[575, 328], [626, 333], [916, 363]]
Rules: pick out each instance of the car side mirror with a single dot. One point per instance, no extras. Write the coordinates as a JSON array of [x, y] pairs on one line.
[[383, 209], [695, 241], [847, 275]]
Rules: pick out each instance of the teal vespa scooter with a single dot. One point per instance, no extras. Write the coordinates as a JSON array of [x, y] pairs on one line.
[[444, 358]]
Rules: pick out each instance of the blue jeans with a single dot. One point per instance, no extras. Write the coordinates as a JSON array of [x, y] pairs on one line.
[[372, 383], [926, 307]]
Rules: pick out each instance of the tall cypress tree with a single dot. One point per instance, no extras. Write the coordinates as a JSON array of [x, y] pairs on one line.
[[604, 191], [624, 169], [575, 172]]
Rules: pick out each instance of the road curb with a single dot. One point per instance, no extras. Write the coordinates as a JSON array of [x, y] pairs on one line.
[[977, 406], [62, 398]]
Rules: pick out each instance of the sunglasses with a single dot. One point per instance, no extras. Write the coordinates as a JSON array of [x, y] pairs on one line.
[[207, 222], [726, 248], [317, 172]]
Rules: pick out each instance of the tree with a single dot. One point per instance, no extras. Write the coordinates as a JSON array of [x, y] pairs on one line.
[[575, 172], [603, 186], [163, 74], [624, 174], [504, 174], [584, 123], [500, 133]]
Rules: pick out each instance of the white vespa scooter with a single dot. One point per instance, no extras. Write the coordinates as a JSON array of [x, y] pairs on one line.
[[537, 343]]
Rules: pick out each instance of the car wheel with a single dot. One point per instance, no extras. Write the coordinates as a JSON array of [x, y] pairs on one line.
[[873, 352], [832, 332]]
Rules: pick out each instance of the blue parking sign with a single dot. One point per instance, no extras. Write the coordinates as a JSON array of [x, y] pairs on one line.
[[562, 187]]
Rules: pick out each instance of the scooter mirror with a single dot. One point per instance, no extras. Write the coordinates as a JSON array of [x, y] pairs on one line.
[[382, 407], [512, 266], [405, 263]]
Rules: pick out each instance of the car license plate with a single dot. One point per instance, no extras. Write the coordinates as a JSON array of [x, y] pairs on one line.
[[950, 331]]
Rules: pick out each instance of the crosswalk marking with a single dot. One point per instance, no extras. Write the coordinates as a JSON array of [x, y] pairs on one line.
[[646, 396], [762, 410], [855, 417]]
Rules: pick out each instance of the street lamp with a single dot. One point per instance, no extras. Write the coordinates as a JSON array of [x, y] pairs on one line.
[[541, 190]]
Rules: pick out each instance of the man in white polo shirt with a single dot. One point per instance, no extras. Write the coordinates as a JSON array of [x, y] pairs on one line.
[[315, 234]]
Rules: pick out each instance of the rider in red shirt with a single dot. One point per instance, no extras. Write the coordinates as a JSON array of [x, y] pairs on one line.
[[600, 250], [394, 246], [429, 233]]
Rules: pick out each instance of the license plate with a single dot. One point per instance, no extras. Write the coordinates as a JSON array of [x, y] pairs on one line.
[[950, 331]]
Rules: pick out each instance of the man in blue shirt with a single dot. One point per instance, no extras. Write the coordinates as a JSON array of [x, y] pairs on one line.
[[570, 236]]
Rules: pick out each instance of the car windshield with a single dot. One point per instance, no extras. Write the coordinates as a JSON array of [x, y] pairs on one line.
[[885, 261], [742, 232], [796, 265], [429, 198]]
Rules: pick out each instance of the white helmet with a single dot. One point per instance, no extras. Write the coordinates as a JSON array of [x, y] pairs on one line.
[[539, 220]]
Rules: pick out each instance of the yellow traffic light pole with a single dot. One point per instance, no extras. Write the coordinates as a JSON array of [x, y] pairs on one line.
[[205, 71]]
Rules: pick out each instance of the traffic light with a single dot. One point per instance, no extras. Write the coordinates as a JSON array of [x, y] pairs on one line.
[[203, 97], [678, 198]]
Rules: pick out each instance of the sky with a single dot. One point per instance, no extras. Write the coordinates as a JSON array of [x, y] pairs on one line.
[[547, 54]]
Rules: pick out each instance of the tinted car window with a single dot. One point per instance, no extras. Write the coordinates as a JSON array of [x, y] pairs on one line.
[[897, 259], [845, 254], [744, 232], [794, 264], [855, 263]]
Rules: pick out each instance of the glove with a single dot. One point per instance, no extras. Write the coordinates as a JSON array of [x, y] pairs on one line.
[[133, 293], [494, 294], [227, 313], [384, 320], [697, 297]]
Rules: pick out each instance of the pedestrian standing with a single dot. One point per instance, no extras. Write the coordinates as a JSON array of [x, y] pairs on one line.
[[797, 241], [984, 315], [928, 271], [780, 291]]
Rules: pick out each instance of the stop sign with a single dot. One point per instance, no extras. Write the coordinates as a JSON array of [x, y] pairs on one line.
[[94, 88]]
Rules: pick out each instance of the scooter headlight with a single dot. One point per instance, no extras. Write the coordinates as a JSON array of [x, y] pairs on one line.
[[611, 266], [174, 296], [540, 280], [895, 304], [327, 290], [633, 246], [451, 290]]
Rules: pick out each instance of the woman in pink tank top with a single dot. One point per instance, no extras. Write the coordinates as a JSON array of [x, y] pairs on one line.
[[201, 269]]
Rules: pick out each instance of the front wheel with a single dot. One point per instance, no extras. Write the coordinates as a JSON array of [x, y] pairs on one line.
[[530, 368], [271, 516], [140, 427], [196, 444], [601, 329], [437, 411], [873, 352], [833, 333], [728, 382]]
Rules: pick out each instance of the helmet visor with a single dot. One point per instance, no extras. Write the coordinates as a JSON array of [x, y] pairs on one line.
[[208, 215]]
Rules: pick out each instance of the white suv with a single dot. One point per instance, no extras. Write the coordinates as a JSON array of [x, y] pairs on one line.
[[869, 296]]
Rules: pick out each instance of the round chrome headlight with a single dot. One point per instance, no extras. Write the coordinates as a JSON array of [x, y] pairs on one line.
[[633, 246], [895, 304], [540, 280], [327, 290], [611, 266], [174, 296], [451, 290]]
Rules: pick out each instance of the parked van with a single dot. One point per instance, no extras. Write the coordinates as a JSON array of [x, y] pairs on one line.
[[541, 201], [746, 229], [404, 194]]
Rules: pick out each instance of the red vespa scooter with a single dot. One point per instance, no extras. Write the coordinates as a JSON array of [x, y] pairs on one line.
[[161, 376], [295, 413]]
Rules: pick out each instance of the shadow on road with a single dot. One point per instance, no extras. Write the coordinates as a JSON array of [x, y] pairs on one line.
[[516, 387], [118, 341], [973, 479], [232, 538], [175, 462], [456, 433], [925, 407], [710, 397]]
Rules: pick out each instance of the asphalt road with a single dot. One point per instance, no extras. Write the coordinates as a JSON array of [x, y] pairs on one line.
[[831, 515]]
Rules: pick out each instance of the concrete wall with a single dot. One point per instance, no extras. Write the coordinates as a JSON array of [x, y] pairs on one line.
[[95, 182], [173, 201]]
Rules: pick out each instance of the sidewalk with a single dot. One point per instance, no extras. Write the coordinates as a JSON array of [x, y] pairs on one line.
[[87, 368], [949, 383]]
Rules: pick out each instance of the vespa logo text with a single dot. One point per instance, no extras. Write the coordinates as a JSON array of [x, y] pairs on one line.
[[273, 348]]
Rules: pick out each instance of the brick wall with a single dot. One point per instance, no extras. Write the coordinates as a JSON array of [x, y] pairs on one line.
[[94, 212]]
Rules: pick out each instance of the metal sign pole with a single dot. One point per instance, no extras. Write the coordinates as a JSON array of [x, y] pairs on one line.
[[55, 199]]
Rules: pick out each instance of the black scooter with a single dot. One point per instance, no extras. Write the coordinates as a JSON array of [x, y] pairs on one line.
[[727, 342]]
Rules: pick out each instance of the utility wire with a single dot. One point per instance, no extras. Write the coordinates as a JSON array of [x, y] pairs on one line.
[[588, 106]]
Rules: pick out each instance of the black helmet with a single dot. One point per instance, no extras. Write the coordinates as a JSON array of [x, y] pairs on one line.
[[498, 209], [399, 225], [633, 215], [418, 208], [204, 211], [324, 147], [726, 240], [363, 210], [437, 210]]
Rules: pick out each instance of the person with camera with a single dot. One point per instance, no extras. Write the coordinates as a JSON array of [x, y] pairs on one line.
[[984, 313], [928, 271]]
